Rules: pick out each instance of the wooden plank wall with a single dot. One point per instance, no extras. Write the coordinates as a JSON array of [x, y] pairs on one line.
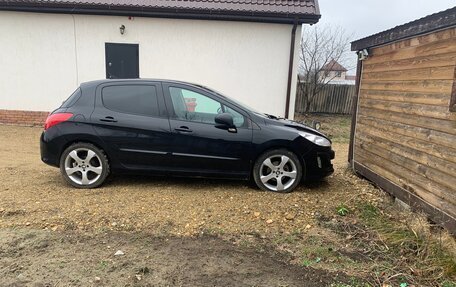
[[405, 132], [332, 99]]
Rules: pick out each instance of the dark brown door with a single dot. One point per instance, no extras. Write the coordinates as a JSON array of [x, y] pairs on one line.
[[122, 61]]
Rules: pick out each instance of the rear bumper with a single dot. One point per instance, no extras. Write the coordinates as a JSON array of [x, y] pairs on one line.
[[49, 152], [318, 164]]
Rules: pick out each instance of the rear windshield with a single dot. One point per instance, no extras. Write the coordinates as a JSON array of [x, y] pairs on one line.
[[72, 99]]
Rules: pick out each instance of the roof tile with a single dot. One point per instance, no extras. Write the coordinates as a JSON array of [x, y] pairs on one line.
[[433, 22], [333, 65], [279, 7]]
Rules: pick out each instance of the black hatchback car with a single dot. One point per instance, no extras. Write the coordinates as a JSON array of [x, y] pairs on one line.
[[180, 129]]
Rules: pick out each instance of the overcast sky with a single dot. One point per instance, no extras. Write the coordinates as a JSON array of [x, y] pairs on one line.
[[364, 18]]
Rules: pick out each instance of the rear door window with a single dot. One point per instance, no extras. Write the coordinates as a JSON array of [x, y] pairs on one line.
[[72, 99], [131, 99]]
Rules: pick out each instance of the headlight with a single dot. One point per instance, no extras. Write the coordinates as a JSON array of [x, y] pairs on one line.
[[318, 140]]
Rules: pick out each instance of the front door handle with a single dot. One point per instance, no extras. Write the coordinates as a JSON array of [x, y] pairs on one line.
[[183, 129], [109, 119]]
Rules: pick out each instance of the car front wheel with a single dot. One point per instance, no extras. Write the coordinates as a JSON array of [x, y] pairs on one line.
[[277, 170], [83, 165]]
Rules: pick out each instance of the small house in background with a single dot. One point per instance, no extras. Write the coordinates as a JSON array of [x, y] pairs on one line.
[[335, 96], [404, 125], [336, 74]]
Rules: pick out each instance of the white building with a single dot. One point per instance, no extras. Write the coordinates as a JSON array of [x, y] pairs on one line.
[[245, 49]]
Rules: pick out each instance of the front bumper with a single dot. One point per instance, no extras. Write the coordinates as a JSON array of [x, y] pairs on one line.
[[318, 164]]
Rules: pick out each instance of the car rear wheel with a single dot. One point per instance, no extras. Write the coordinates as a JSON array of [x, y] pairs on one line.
[[277, 170], [83, 165]]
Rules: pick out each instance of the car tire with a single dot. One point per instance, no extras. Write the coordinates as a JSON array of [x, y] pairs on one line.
[[84, 165], [277, 170]]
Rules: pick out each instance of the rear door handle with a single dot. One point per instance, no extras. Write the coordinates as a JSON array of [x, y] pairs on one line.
[[109, 119], [183, 129]]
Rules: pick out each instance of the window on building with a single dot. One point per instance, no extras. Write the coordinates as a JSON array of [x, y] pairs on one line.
[[338, 74], [131, 99], [192, 106]]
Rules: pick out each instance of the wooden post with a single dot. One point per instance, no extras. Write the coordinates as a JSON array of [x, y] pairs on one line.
[[359, 67]]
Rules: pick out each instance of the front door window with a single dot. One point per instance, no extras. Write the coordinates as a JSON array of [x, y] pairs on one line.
[[192, 106]]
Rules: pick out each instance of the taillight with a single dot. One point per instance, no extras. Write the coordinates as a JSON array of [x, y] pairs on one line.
[[57, 118]]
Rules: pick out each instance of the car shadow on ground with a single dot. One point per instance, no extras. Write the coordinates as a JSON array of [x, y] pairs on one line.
[[138, 179], [125, 180]]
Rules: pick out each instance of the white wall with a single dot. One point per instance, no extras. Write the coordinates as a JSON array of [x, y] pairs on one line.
[[37, 64], [45, 56]]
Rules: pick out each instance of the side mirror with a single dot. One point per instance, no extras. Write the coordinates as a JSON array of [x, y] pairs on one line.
[[225, 121]]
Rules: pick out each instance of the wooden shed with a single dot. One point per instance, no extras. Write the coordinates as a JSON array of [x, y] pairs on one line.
[[403, 134]]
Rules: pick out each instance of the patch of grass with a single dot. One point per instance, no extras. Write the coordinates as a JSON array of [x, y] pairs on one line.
[[336, 127], [103, 265], [286, 239], [246, 243], [214, 231], [448, 284], [315, 253], [62, 264], [418, 257], [342, 210], [306, 262], [353, 283]]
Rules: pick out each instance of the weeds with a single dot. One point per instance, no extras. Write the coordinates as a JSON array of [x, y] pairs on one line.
[[414, 257], [103, 264], [342, 210], [354, 283], [336, 127], [448, 284], [287, 239]]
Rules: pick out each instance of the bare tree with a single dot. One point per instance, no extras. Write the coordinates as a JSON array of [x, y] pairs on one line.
[[319, 46]]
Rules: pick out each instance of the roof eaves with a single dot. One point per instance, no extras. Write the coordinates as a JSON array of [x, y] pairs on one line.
[[317, 8], [68, 7], [437, 21]]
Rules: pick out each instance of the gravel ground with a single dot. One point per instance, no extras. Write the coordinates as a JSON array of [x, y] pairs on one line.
[[34, 194], [55, 235]]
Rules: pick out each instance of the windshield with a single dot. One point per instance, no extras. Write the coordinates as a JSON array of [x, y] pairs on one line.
[[242, 105]]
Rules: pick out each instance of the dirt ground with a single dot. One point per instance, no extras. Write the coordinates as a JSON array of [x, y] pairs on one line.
[[75, 259], [173, 231]]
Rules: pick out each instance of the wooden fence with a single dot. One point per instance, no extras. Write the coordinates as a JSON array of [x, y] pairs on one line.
[[332, 99]]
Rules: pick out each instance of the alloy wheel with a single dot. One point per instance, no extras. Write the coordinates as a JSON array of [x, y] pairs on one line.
[[278, 172], [83, 166]]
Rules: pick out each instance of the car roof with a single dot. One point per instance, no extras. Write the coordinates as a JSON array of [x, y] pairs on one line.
[[98, 82]]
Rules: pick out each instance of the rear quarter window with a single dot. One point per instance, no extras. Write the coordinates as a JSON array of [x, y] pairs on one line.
[[72, 99], [131, 99]]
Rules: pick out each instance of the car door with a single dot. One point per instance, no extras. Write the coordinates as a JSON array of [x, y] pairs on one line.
[[198, 145], [130, 117]]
